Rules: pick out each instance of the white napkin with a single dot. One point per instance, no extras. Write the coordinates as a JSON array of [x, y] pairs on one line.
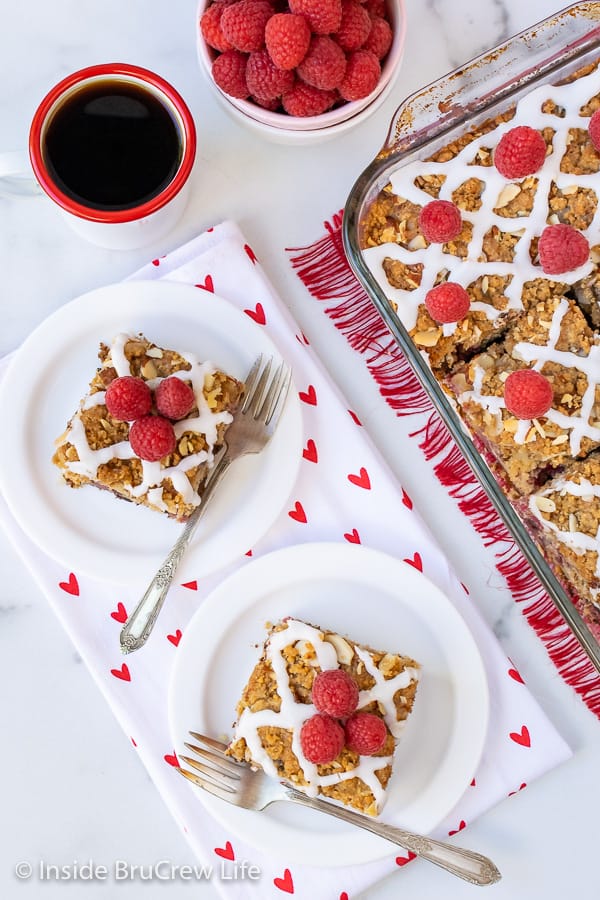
[[327, 504]]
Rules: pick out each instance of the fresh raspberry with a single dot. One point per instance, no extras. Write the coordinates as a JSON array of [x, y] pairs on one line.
[[355, 26], [128, 398], [324, 16], [376, 8], [594, 129], [380, 37], [263, 77], [562, 248], [528, 394], [324, 65], [306, 100], [447, 302], [520, 152], [335, 693], [366, 733], [229, 73], [321, 739], [243, 24], [440, 221], [210, 26], [174, 398], [271, 105], [363, 72], [287, 37], [152, 438]]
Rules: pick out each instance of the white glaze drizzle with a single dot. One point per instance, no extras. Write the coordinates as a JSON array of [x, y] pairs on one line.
[[578, 541], [154, 475], [292, 714], [571, 97], [577, 425]]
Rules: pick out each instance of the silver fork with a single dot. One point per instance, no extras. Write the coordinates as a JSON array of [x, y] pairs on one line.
[[237, 783], [253, 425]]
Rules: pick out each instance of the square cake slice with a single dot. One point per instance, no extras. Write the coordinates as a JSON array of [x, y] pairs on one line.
[[564, 518], [95, 448], [554, 338], [278, 701]]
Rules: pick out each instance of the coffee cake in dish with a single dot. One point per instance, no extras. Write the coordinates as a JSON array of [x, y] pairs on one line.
[[325, 713], [553, 338], [150, 426], [565, 517], [489, 253]]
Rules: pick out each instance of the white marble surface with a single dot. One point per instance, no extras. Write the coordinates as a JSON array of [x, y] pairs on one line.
[[72, 789]]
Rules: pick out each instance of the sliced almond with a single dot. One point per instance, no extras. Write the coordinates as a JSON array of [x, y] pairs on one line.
[[149, 370], [561, 439], [545, 504], [417, 243], [507, 194], [572, 522], [343, 650], [571, 189], [427, 338], [155, 353]]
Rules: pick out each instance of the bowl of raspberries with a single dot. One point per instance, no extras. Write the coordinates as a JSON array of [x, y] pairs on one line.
[[297, 68]]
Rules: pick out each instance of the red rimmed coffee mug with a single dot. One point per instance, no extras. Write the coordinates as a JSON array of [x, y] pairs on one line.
[[113, 146]]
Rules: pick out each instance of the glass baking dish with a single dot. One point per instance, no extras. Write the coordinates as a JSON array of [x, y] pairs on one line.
[[425, 122]]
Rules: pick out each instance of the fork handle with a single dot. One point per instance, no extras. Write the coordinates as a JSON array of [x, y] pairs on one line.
[[468, 865], [137, 628]]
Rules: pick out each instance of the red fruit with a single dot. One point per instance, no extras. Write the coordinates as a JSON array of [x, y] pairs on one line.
[[287, 38], [527, 394], [562, 248], [263, 77], [210, 26], [363, 72], [128, 398], [380, 37], [324, 66], [376, 8], [229, 73], [520, 152], [366, 733], [306, 100], [594, 129], [152, 438], [440, 221], [355, 26], [174, 398], [447, 302], [243, 24], [335, 693], [321, 739], [271, 105], [324, 16]]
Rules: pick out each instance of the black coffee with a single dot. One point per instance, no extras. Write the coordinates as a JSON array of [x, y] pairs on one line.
[[112, 146]]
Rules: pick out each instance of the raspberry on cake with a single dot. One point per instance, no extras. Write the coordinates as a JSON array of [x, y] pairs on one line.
[[325, 713], [555, 339], [156, 458]]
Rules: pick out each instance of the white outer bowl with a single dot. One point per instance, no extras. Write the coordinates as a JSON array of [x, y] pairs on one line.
[[282, 128]]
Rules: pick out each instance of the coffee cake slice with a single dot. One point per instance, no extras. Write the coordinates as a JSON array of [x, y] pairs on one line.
[[95, 448], [277, 702]]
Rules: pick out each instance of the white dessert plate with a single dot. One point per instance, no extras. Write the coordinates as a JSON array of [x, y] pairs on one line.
[[376, 600], [88, 530]]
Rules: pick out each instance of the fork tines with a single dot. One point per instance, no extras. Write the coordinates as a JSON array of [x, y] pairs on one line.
[[218, 773]]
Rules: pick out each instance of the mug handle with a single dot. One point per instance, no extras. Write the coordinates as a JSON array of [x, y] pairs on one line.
[[16, 179]]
